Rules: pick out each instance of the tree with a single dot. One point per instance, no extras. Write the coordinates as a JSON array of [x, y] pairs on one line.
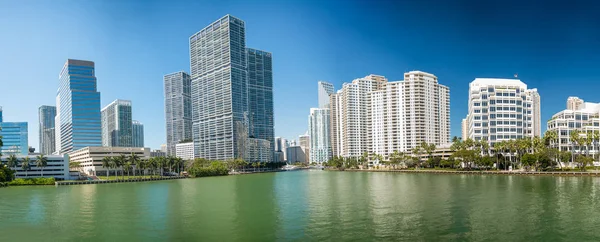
[[127, 167], [41, 161], [25, 164], [583, 161], [416, 151], [575, 138], [114, 164], [134, 160], [12, 161], [107, 164], [121, 159]]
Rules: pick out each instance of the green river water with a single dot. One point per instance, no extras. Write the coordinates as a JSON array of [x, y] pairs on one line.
[[309, 206]]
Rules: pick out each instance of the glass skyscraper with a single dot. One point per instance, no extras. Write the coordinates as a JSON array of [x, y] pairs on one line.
[[46, 129], [324, 90], [260, 95], [178, 109], [219, 89], [138, 133], [14, 137], [117, 124], [78, 107]]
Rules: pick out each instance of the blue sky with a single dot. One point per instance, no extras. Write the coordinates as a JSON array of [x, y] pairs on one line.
[[555, 48]]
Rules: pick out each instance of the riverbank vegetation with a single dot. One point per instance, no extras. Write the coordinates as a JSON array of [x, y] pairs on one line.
[[32, 181], [525, 154]]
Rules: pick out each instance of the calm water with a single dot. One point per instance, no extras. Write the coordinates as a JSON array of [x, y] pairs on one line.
[[309, 206]]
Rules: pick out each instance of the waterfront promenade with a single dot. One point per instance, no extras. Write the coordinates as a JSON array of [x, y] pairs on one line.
[[523, 173]]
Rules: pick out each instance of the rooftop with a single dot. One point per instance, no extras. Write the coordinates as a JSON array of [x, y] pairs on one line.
[[498, 82]]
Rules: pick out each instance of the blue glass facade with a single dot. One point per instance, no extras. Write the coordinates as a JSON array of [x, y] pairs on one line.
[[260, 95], [14, 138], [78, 107]]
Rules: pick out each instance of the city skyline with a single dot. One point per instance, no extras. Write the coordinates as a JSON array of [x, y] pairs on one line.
[[551, 72]]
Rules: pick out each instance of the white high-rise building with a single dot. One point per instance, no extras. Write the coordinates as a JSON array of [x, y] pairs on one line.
[[376, 116], [318, 127], [464, 124], [178, 109], [502, 109], [324, 90], [406, 113], [350, 115], [579, 115], [117, 129]]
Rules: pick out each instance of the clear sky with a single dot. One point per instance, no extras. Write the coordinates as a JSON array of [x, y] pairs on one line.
[[555, 48]]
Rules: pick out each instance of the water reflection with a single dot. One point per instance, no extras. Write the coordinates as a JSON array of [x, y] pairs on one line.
[[309, 206]]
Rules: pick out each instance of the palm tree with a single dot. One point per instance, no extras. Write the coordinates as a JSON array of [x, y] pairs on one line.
[[25, 164], [134, 159], [121, 159], [12, 161], [41, 162], [114, 164], [575, 139], [550, 138], [107, 164], [161, 162], [179, 163], [127, 167], [139, 164], [152, 164], [596, 135]]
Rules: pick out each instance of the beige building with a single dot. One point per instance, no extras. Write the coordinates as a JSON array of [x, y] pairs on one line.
[[465, 128], [91, 157], [304, 141]]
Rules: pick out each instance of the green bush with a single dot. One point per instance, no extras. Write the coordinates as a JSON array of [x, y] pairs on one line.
[[32, 181], [201, 169], [6, 174]]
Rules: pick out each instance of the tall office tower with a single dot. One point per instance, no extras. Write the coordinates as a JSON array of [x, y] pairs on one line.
[[351, 137], [318, 127], [219, 89], [14, 137], [77, 107], [278, 145], [324, 90], [116, 124], [163, 148], [406, 113], [579, 115], [46, 129], [464, 128], [138, 133], [260, 96], [284, 145], [502, 109], [178, 109]]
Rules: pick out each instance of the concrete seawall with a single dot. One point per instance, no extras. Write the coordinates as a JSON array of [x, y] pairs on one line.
[[66, 183]]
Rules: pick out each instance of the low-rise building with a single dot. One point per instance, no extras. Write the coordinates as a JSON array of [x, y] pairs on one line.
[[295, 154], [185, 150], [158, 153], [90, 158], [258, 150], [579, 115], [57, 166]]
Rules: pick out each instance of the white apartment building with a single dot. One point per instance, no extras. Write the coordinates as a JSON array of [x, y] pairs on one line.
[[318, 126], [464, 128], [350, 116], [91, 157], [57, 166], [185, 151], [579, 115], [375, 116], [502, 109]]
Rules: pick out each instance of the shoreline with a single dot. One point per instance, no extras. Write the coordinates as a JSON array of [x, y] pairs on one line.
[[519, 173]]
